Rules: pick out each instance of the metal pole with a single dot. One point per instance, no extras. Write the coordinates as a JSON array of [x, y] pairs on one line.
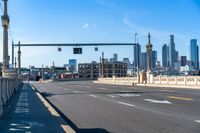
[[12, 53], [15, 63], [102, 64], [19, 59], [134, 54], [42, 71], [100, 68]]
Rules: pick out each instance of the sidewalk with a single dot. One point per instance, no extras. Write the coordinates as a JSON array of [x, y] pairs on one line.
[[28, 112]]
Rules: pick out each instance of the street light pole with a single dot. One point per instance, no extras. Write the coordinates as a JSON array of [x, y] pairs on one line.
[[134, 54], [102, 65], [19, 59], [5, 23]]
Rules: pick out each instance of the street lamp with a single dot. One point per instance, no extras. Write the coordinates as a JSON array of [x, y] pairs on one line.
[[5, 23]]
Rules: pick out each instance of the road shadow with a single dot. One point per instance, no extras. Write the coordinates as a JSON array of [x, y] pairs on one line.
[[50, 94], [26, 113], [73, 125]]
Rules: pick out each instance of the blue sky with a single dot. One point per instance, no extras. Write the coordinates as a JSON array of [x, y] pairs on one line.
[[81, 21]]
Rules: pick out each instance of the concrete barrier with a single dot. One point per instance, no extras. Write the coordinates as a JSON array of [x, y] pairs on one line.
[[8, 87]]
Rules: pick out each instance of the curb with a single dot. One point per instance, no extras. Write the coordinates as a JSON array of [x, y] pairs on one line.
[[65, 126]]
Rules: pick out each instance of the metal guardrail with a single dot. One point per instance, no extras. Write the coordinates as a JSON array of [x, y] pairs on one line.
[[8, 87]]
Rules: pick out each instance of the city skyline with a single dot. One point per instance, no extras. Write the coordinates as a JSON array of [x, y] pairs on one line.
[[99, 21]]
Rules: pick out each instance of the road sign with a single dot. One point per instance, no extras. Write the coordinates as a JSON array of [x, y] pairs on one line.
[[77, 50]]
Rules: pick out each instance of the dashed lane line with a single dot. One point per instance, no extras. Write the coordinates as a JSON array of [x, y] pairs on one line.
[[93, 95], [198, 121], [127, 104], [180, 98]]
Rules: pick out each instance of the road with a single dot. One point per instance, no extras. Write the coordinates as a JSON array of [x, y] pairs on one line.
[[100, 108]]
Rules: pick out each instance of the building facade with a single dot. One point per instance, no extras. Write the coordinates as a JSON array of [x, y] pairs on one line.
[[73, 65], [136, 56], [165, 56], [153, 59], [108, 69], [143, 60], [183, 60], [172, 52], [194, 54]]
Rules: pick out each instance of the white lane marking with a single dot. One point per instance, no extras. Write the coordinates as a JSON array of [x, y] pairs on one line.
[[129, 95], [15, 129], [157, 101], [126, 104], [102, 88], [197, 121], [112, 96], [76, 92], [93, 95], [124, 95]]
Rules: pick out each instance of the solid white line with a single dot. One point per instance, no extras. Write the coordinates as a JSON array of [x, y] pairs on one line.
[[197, 121], [93, 95], [126, 104]]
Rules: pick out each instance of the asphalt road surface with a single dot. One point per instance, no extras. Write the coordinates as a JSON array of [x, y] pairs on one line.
[[100, 108]]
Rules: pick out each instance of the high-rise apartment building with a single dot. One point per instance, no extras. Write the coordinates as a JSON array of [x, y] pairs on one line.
[[194, 53]]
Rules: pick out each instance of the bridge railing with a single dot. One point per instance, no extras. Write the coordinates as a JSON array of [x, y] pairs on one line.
[[177, 80], [159, 80], [7, 89]]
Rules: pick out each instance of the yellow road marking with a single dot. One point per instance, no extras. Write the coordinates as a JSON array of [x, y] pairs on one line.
[[180, 98]]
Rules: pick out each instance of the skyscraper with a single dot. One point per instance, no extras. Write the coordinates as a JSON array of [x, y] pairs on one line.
[[165, 55], [183, 60], [172, 52], [176, 57], [143, 61], [153, 59], [194, 53], [136, 55]]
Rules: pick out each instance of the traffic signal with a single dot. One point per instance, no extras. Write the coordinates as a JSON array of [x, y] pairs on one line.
[[77, 50]]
